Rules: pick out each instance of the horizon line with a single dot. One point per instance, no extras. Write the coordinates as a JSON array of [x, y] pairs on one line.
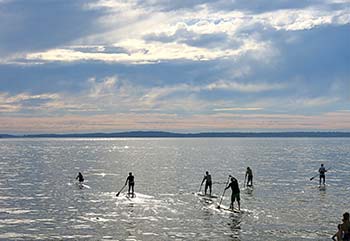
[[167, 134]]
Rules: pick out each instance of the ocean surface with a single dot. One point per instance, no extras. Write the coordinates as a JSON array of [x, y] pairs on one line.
[[40, 200]]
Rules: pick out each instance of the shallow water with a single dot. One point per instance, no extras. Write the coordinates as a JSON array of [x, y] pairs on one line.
[[39, 198]]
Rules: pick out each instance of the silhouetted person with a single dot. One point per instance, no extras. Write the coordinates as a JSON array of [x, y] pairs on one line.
[[345, 227], [80, 177], [208, 183], [235, 195], [338, 235], [131, 181], [249, 174], [322, 172]]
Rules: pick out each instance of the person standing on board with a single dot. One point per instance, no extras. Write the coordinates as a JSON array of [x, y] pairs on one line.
[[131, 181], [235, 195], [208, 183], [322, 172], [345, 227], [249, 174], [80, 177]]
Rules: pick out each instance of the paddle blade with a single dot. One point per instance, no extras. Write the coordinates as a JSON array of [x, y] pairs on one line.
[[312, 178], [117, 194]]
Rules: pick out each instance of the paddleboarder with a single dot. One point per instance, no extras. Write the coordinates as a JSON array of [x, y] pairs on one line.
[[249, 174], [80, 177], [208, 183], [131, 181], [322, 170], [235, 195]]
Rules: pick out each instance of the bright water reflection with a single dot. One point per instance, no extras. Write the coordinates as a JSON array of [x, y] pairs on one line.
[[40, 200]]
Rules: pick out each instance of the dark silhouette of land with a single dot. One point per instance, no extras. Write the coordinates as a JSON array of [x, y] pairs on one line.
[[161, 134]]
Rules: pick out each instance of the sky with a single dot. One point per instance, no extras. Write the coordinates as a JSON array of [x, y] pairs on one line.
[[185, 66]]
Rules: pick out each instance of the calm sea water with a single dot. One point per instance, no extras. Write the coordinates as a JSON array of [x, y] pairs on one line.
[[39, 199]]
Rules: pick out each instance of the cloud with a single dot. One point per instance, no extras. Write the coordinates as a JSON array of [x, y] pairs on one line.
[[313, 102], [216, 5], [186, 34], [203, 32], [24, 101], [139, 52], [8, 108], [173, 122], [293, 20], [189, 59], [113, 94], [238, 109], [104, 88], [28, 26], [243, 87], [192, 98]]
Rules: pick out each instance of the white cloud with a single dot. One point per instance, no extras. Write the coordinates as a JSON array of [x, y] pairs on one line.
[[9, 108], [301, 19], [112, 5], [154, 96], [26, 96], [103, 88], [121, 16], [242, 87], [17, 103], [314, 102], [111, 94], [338, 1], [141, 52], [238, 109]]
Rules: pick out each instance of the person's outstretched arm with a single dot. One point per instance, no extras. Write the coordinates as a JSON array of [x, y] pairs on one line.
[[205, 177]]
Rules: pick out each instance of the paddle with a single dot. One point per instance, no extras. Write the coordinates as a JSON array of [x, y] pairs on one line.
[[200, 188], [222, 196], [120, 190], [245, 177], [312, 178]]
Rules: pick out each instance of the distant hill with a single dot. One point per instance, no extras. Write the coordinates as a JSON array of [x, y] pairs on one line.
[[160, 134], [6, 136]]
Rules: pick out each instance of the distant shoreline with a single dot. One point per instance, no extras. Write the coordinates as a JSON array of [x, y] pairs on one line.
[[161, 134]]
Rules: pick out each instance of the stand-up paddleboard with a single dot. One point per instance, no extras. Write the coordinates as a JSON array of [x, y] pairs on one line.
[[137, 198], [130, 196], [248, 189], [225, 209], [199, 194], [82, 185]]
